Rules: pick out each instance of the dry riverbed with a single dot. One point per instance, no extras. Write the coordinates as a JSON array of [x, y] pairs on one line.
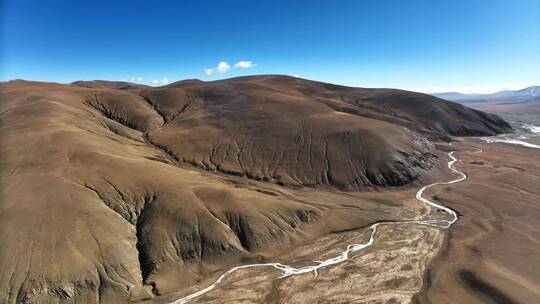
[[391, 271], [490, 256]]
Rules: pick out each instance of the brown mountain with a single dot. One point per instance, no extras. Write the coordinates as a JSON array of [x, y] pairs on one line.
[[113, 192], [295, 131], [106, 84]]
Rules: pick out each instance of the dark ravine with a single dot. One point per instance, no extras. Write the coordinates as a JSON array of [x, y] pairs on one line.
[[489, 292]]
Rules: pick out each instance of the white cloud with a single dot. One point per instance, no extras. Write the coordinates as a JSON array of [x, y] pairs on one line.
[[244, 64], [296, 75], [160, 82], [222, 67]]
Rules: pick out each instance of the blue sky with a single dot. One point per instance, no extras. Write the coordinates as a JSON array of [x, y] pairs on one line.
[[420, 45]]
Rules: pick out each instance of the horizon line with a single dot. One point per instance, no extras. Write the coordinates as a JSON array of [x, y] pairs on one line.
[[426, 90]]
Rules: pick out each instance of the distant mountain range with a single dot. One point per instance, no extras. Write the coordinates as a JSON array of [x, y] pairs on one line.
[[529, 94]]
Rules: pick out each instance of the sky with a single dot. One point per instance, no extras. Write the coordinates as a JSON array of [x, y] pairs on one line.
[[428, 46]]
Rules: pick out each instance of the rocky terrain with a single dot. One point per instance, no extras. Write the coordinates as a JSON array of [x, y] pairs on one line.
[[116, 192]]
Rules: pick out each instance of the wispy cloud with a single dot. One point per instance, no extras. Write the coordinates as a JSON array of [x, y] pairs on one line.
[[135, 79], [222, 67], [244, 64], [160, 82]]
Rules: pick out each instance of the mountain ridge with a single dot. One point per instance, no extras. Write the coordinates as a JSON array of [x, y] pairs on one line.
[[531, 93]]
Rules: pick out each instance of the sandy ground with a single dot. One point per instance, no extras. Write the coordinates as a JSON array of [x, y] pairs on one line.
[[390, 272], [492, 254]]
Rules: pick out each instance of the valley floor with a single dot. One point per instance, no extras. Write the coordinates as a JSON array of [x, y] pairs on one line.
[[491, 255], [388, 272]]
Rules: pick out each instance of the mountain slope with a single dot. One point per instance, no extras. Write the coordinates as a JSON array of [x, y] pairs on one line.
[[105, 84], [300, 132], [104, 199]]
